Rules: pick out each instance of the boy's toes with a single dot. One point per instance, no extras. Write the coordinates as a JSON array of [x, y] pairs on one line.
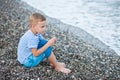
[[63, 70]]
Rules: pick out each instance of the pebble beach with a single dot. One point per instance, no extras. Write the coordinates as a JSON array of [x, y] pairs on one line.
[[86, 61]]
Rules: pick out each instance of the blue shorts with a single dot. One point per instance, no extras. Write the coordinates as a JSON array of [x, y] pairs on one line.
[[33, 61]]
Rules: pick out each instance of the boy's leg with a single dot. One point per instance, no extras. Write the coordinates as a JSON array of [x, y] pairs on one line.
[[51, 57], [33, 61], [42, 42], [60, 63], [57, 66], [41, 57]]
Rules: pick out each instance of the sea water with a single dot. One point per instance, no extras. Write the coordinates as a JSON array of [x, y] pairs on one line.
[[100, 18]]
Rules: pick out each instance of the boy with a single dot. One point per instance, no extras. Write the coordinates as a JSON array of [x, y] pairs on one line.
[[33, 48]]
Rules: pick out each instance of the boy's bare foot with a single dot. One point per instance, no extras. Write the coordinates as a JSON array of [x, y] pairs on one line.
[[63, 70], [60, 63]]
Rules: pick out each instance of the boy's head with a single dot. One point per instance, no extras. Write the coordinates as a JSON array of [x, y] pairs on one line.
[[38, 23]]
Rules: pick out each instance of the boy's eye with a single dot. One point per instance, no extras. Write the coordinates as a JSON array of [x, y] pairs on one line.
[[42, 26]]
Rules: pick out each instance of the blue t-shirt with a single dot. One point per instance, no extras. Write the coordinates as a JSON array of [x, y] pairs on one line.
[[27, 41]]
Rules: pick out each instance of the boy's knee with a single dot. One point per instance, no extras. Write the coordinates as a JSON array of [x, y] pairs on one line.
[[42, 43]]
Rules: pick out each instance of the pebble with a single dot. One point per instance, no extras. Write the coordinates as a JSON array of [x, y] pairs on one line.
[[3, 61]]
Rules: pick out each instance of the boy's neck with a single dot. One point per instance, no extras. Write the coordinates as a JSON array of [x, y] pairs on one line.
[[33, 31]]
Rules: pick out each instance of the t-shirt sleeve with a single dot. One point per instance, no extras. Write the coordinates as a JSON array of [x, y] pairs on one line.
[[32, 43]]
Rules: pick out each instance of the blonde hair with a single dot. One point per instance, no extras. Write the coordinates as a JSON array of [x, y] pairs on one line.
[[35, 18]]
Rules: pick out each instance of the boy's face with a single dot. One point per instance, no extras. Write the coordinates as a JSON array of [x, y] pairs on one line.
[[40, 27]]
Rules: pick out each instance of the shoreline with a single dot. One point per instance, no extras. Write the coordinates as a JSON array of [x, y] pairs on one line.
[[86, 61], [82, 35]]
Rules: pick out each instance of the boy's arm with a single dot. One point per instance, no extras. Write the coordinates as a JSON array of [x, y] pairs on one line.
[[41, 50]]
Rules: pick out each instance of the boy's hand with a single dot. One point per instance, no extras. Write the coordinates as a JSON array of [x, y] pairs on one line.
[[52, 41]]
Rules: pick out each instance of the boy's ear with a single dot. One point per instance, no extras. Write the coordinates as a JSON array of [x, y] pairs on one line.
[[33, 25]]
